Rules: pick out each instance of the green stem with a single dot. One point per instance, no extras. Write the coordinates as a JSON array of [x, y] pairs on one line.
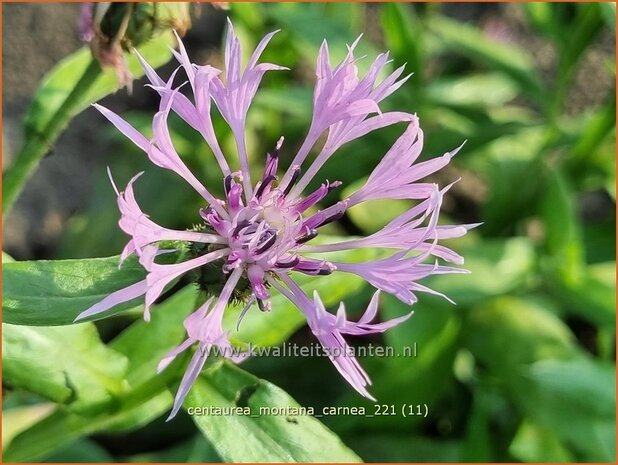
[[37, 144]]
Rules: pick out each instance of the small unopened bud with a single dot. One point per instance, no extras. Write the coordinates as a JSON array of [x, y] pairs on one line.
[[112, 28]]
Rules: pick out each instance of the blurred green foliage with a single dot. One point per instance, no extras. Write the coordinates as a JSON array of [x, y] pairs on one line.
[[521, 369]]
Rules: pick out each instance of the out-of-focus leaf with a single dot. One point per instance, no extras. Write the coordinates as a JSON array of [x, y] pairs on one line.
[[50, 293], [310, 24], [583, 30], [576, 399], [403, 35], [403, 447], [69, 88], [68, 365], [477, 443], [17, 419], [419, 368], [509, 59], [80, 451], [196, 450], [608, 13], [508, 332], [545, 18], [293, 101], [62, 428], [535, 444], [372, 215], [496, 267], [482, 90], [512, 167], [597, 128], [260, 437], [563, 240], [590, 296]]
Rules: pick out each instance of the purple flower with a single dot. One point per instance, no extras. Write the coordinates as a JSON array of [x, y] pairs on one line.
[[260, 232]]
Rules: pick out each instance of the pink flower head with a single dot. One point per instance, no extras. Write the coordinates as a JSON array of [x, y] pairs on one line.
[[259, 234]]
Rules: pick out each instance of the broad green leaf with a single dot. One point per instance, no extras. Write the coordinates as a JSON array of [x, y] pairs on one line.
[[594, 131], [477, 443], [590, 296], [390, 447], [69, 365], [608, 12], [512, 61], [509, 160], [195, 450], [425, 348], [496, 267], [75, 83], [480, 90], [309, 24], [581, 33], [292, 101], [80, 451], [533, 443], [576, 399], [545, 18], [260, 437], [62, 428], [145, 395], [563, 238], [50, 293], [404, 36], [17, 419], [372, 215], [507, 332]]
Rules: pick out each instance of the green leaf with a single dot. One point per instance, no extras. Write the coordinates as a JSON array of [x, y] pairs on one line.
[[533, 443], [75, 83], [50, 293], [62, 427], [563, 238], [594, 131], [480, 90], [80, 451], [507, 332], [496, 267], [69, 365], [17, 419], [577, 400], [508, 160], [403, 35], [260, 437], [508, 59], [590, 296], [581, 33]]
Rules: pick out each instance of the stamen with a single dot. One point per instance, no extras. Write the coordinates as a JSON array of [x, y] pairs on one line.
[[307, 236], [243, 224], [295, 176], [227, 184], [263, 185], [267, 244], [291, 264], [264, 305]]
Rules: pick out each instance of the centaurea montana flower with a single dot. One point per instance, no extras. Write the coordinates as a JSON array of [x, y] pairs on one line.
[[259, 235]]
